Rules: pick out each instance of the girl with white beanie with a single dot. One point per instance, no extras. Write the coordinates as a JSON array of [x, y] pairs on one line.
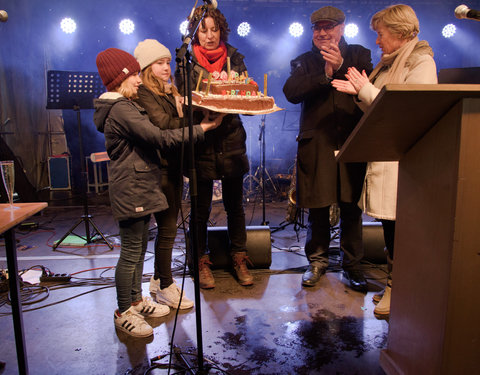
[[163, 104]]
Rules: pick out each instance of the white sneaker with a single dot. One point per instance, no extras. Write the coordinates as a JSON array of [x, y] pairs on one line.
[[132, 323], [171, 296], [149, 308], [154, 285]]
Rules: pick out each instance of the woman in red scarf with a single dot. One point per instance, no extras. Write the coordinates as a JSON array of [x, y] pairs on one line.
[[223, 154]]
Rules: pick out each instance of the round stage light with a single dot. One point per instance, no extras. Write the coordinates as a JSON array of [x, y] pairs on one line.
[[183, 27], [351, 30], [126, 26], [449, 30], [68, 25], [243, 29], [296, 29]]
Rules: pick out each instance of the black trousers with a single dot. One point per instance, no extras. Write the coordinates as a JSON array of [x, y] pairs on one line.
[[318, 235], [389, 235], [232, 195]]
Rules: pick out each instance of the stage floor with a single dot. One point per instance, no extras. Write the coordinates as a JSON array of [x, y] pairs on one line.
[[275, 326]]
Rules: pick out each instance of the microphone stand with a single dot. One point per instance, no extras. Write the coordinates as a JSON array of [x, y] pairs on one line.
[[184, 55], [262, 163]]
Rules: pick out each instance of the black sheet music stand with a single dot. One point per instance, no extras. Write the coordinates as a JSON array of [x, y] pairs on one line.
[[76, 90]]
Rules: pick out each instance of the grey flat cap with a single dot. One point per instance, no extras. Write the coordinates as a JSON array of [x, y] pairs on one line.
[[328, 13]]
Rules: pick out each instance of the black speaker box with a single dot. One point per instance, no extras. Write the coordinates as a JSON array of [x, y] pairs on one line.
[[373, 242], [259, 248]]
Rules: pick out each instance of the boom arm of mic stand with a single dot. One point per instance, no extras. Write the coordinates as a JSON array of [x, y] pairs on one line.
[[188, 39]]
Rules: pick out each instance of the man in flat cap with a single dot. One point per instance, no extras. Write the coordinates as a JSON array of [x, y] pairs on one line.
[[327, 119]]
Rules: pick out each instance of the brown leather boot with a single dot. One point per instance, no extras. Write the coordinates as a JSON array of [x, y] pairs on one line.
[[205, 274], [240, 266]]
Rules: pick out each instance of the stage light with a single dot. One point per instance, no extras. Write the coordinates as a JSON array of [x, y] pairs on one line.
[[183, 27], [126, 26], [449, 30], [296, 29], [68, 25], [351, 30], [243, 29]]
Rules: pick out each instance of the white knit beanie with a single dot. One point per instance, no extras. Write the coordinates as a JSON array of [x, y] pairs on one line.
[[149, 51]]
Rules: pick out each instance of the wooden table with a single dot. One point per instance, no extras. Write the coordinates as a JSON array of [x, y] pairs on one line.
[[8, 220]]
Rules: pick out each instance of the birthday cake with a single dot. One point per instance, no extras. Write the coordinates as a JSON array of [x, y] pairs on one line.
[[232, 93]]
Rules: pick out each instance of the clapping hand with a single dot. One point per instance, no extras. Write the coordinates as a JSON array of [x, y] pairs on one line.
[[355, 81], [333, 58]]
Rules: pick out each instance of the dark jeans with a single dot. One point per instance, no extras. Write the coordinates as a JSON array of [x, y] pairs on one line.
[[172, 186], [318, 235], [232, 195], [129, 271]]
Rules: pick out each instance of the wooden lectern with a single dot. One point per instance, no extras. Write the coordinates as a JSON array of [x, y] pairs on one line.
[[434, 131]]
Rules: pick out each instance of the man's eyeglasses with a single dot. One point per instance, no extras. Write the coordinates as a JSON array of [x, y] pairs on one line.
[[326, 28]]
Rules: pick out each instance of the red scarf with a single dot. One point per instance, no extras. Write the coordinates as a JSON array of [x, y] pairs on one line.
[[211, 59]]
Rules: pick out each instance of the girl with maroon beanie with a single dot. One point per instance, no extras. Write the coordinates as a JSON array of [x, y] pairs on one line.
[[135, 190]]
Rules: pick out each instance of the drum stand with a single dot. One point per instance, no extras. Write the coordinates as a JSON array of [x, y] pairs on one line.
[[259, 176]]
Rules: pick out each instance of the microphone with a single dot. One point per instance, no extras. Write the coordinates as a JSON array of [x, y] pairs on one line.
[[213, 3], [462, 11], [3, 16]]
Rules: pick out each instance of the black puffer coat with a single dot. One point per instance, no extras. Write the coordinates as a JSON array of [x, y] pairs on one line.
[[327, 119], [224, 152], [132, 143]]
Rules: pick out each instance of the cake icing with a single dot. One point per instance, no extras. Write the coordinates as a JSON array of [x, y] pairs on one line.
[[232, 93]]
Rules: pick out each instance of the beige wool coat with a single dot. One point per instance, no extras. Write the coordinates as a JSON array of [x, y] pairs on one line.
[[379, 195]]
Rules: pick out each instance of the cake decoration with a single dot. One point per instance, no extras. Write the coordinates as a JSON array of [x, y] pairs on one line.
[[230, 92]]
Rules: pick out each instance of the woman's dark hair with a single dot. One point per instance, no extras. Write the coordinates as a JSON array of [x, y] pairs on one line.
[[218, 18]]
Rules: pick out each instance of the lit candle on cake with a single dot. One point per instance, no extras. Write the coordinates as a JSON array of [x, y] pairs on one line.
[[199, 80], [208, 83], [228, 67], [265, 84]]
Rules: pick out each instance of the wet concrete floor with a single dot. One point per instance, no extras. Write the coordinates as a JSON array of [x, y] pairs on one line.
[[275, 326]]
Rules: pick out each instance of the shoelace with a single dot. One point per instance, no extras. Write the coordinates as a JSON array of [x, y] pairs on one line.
[[242, 261]]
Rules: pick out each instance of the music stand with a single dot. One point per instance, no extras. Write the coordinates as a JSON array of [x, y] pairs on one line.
[[76, 90]]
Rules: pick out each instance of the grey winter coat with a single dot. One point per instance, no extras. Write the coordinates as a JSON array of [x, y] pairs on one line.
[[132, 141]]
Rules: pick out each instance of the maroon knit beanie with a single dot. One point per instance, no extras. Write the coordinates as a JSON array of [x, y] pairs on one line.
[[115, 66]]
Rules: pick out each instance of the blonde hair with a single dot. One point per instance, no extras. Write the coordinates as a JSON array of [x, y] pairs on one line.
[[126, 91], [399, 19], [155, 85]]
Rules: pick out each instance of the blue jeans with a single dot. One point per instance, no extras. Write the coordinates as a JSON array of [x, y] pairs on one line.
[[129, 271]]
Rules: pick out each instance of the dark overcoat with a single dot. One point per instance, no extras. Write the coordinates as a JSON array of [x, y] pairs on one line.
[[162, 112], [327, 119], [224, 152]]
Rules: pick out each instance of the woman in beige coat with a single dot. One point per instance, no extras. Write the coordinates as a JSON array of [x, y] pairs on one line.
[[405, 60]]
